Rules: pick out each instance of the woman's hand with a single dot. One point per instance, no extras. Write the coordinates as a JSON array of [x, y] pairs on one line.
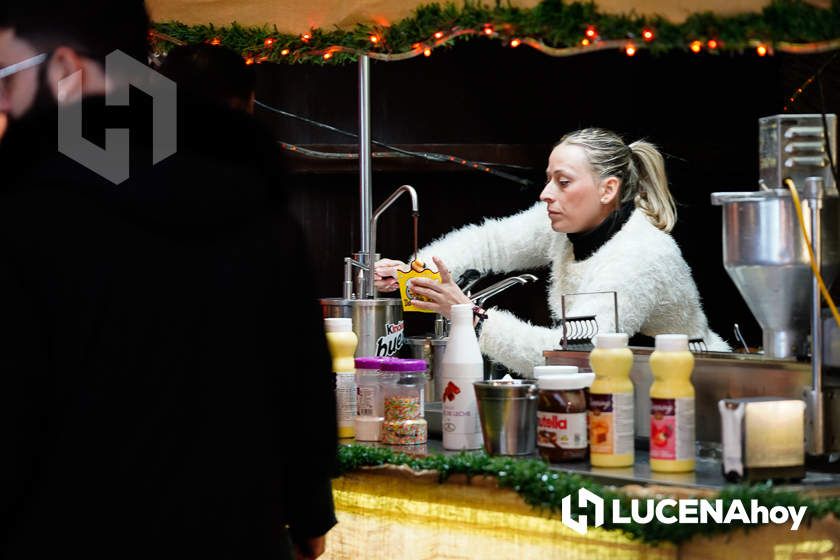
[[444, 294], [385, 274]]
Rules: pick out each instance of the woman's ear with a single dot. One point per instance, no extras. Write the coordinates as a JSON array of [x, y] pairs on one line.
[[609, 190]]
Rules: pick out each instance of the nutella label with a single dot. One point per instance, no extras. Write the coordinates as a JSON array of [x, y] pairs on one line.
[[561, 431], [672, 429]]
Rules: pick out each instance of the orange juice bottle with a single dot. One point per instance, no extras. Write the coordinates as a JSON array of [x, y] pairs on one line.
[[342, 343], [611, 402], [671, 405]]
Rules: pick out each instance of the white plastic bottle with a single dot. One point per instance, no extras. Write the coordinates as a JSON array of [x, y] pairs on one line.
[[462, 365]]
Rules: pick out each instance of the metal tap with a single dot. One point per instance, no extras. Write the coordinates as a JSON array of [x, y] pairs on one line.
[[415, 210], [349, 263]]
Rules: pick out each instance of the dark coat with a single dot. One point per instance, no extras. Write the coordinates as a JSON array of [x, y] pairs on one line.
[[165, 386]]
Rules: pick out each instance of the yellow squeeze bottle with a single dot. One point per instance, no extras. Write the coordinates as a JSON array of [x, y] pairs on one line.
[[611, 402], [342, 342], [671, 405]]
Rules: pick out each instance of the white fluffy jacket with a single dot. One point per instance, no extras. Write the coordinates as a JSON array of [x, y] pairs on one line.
[[656, 293]]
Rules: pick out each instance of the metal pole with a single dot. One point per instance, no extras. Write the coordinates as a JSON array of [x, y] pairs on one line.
[[814, 193], [365, 178]]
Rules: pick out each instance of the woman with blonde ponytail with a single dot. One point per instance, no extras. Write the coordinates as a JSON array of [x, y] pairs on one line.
[[609, 214]]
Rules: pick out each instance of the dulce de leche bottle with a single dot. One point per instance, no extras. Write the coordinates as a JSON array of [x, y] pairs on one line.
[[671, 405], [342, 343], [462, 364]]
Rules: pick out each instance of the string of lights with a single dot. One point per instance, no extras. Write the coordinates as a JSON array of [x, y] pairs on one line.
[[428, 156]]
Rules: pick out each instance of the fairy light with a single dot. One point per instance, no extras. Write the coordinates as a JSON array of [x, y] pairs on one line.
[[647, 35], [284, 52], [488, 29], [439, 34], [761, 50], [591, 32], [268, 42], [427, 52], [712, 44], [374, 39], [630, 49], [249, 61], [327, 56], [515, 43], [305, 37], [585, 42], [696, 46], [215, 41]]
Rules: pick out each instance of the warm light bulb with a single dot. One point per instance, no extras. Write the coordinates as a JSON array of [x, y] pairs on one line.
[[515, 43], [215, 41], [647, 35], [439, 34], [761, 50], [284, 52], [374, 39], [249, 61], [630, 49], [488, 30], [268, 42], [305, 37], [712, 44], [591, 32], [427, 52], [327, 56], [585, 42], [696, 46]]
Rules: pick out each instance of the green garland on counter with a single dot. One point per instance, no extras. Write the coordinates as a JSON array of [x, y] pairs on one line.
[[544, 488], [554, 27]]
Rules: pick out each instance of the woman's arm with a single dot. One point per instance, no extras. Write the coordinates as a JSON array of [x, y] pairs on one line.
[[502, 245]]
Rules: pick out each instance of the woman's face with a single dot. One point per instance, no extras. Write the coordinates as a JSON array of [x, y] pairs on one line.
[[576, 198]]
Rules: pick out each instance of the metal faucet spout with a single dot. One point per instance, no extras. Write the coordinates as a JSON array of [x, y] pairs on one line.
[[415, 209]]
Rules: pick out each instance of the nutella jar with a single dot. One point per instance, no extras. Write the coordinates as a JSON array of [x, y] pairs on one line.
[[562, 429]]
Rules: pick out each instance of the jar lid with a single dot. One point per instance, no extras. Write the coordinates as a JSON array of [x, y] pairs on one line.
[[338, 324], [369, 362], [610, 340], [566, 381], [540, 371], [672, 342], [398, 364]]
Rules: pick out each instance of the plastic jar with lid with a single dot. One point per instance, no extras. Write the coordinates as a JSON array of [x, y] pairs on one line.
[[562, 429], [403, 382], [369, 411]]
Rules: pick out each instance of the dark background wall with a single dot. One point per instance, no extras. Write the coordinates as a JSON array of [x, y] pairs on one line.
[[502, 103]]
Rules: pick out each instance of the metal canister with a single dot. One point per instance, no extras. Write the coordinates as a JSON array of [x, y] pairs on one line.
[[508, 413], [378, 323]]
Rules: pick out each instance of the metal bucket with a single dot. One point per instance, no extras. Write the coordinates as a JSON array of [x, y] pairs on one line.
[[431, 350], [767, 258], [378, 323], [508, 413]]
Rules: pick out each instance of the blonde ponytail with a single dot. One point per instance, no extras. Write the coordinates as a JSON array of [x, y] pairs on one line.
[[652, 195]]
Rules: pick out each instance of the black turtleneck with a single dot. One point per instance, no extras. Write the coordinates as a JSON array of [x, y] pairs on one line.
[[584, 244]]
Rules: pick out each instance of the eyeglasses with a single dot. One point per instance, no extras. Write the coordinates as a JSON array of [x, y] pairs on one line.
[[22, 65]]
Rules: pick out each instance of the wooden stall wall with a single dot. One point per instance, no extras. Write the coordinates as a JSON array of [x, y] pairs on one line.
[[489, 103]]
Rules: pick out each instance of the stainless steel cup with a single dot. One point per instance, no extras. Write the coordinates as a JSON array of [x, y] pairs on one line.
[[508, 413]]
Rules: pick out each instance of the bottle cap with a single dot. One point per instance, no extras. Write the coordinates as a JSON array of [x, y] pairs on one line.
[[672, 342], [565, 381], [336, 324], [369, 362], [540, 371], [610, 340], [398, 364]]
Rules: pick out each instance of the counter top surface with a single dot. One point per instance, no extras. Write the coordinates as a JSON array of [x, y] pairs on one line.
[[707, 474]]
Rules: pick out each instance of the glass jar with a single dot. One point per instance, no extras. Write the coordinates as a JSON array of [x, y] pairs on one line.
[[403, 383], [562, 429]]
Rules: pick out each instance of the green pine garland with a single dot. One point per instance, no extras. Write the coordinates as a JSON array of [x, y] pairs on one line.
[[543, 489], [553, 23]]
